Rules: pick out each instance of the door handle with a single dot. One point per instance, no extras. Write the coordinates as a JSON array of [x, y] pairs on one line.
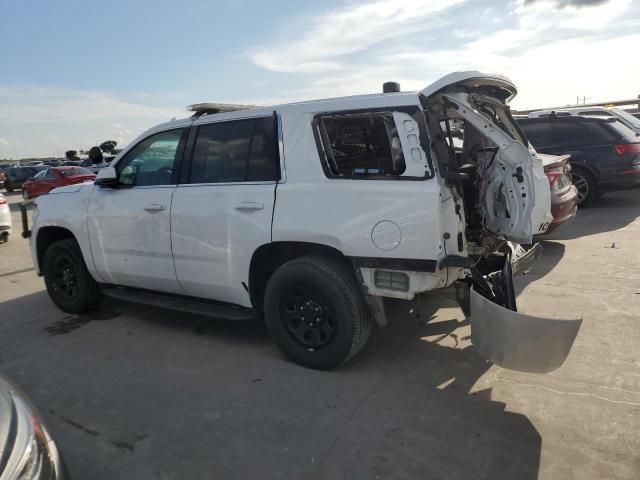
[[249, 206], [154, 207]]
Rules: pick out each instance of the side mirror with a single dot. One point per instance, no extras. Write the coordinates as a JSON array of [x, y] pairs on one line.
[[107, 177]]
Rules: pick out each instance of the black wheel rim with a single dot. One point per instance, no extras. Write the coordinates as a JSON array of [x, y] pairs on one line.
[[65, 278], [307, 316], [581, 185]]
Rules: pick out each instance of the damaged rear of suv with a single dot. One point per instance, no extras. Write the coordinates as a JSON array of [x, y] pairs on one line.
[[497, 180], [312, 213]]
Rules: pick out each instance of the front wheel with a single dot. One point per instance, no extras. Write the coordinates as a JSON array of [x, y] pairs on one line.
[[69, 283], [315, 312]]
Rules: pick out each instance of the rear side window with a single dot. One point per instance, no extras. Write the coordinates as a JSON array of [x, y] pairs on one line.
[[363, 144], [540, 134], [619, 130], [235, 151], [581, 133]]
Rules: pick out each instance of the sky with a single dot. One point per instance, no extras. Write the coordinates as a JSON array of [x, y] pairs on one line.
[[74, 73]]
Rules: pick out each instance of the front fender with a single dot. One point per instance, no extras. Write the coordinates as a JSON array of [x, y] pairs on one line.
[[66, 210]]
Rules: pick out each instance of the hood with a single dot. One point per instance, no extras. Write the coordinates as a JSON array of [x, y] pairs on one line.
[[491, 84]]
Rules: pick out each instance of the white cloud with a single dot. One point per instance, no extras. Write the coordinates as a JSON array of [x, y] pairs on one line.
[[47, 121], [553, 50], [37, 104], [347, 30], [4, 141]]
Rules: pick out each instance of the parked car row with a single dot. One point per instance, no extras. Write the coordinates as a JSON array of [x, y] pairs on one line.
[[604, 150], [45, 181]]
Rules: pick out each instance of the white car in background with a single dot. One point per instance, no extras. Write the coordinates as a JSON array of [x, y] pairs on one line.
[[5, 219], [625, 117]]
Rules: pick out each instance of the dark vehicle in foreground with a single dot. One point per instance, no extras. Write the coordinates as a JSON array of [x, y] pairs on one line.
[[27, 451], [605, 154], [45, 181], [564, 195], [16, 176]]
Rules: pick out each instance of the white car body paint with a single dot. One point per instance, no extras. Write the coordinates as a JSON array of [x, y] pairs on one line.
[[199, 239]]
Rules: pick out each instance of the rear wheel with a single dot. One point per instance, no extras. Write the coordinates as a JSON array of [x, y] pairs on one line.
[[586, 186], [315, 312], [68, 281]]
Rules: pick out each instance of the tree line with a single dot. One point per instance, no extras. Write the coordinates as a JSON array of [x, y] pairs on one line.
[[108, 146]]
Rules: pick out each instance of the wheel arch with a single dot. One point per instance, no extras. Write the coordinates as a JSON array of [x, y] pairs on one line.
[[269, 257], [46, 237]]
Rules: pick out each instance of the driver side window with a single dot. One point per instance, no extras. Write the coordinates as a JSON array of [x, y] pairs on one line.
[[152, 161]]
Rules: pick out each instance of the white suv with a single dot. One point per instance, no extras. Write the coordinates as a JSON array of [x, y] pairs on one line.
[[309, 214]]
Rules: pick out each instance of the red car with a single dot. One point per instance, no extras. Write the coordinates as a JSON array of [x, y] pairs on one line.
[[564, 195], [54, 177]]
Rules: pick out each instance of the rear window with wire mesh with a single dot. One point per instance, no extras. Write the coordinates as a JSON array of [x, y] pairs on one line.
[[363, 144]]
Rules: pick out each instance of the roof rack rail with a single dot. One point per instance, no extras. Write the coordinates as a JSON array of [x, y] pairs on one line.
[[212, 108]]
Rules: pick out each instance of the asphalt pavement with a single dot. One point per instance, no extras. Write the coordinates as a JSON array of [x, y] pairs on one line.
[[133, 392]]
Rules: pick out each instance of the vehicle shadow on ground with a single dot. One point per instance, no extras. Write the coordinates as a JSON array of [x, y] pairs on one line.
[[155, 394], [552, 253], [600, 218]]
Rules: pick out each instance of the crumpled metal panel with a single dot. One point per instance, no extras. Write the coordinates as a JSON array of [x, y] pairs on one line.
[[517, 341]]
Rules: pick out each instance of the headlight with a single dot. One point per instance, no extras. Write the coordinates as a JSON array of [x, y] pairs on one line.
[[32, 453]]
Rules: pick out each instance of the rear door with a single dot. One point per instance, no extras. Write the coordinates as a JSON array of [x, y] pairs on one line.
[[221, 212]]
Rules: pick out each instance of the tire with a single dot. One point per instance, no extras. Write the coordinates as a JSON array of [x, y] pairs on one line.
[[586, 185], [8, 187], [4, 237], [25, 194], [325, 291], [69, 283]]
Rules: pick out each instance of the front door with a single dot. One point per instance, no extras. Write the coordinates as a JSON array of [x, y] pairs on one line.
[[129, 226], [222, 213]]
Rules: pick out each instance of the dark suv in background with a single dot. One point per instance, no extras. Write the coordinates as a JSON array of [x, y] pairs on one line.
[[605, 154], [16, 176]]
